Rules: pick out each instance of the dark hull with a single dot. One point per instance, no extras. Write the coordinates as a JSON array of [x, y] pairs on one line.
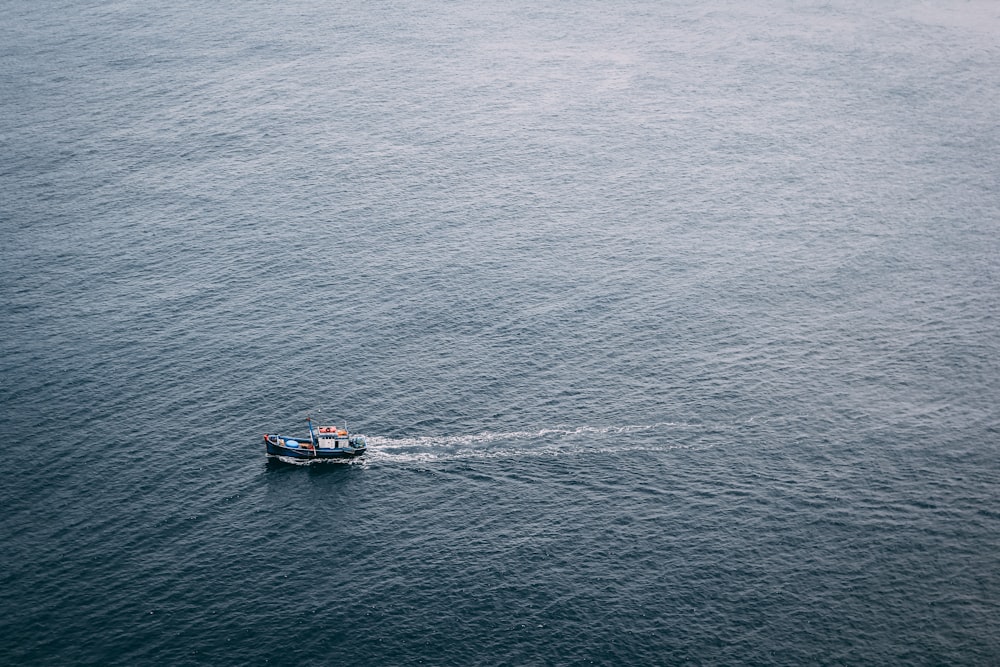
[[308, 454]]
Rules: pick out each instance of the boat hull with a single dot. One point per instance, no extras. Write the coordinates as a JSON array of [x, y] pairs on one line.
[[305, 452]]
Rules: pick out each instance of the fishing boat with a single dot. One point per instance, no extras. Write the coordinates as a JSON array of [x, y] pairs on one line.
[[322, 443]]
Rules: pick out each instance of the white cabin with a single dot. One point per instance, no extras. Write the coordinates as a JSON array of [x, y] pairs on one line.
[[330, 437]]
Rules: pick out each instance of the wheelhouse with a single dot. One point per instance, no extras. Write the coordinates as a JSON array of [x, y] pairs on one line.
[[331, 437]]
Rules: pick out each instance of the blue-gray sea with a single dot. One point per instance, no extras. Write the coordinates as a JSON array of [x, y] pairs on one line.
[[673, 326]]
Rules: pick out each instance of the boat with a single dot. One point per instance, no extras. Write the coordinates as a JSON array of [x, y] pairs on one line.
[[322, 443]]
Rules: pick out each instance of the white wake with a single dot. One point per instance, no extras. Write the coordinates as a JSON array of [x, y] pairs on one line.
[[499, 444]]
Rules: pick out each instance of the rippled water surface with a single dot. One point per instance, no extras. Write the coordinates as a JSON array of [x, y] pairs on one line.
[[673, 327]]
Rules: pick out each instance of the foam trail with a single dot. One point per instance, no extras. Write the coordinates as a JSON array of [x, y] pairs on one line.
[[545, 441], [491, 436]]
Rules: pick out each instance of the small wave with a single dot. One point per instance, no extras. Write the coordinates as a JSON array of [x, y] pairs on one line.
[[308, 462]]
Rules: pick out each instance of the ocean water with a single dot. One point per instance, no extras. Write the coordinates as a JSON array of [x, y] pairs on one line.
[[673, 327]]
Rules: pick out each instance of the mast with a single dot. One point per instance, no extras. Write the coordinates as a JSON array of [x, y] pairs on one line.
[[312, 436]]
